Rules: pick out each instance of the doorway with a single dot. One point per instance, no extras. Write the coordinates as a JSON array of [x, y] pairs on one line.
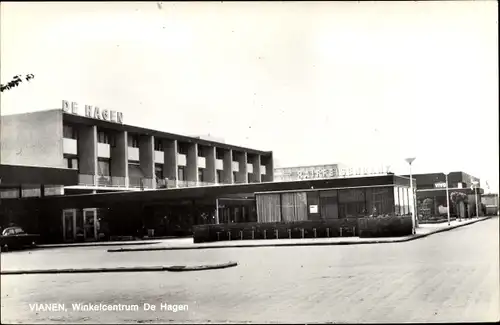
[[69, 224], [90, 224]]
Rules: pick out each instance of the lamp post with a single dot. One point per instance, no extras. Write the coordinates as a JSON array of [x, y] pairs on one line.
[[475, 184], [447, 197], [413, 216]]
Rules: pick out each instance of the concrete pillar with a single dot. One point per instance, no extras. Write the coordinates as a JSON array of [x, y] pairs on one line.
[[268, 162], [227, 172], [192, 163], [242, 174], [170, 160], [209, 173], [255, 176], [119, 156], [146, 158], [87, 150]]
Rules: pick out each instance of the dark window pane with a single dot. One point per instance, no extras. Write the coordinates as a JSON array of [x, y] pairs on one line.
[[352, 203], [379, 200], [328, 204]]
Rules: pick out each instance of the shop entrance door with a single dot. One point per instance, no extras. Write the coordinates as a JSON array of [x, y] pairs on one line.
[[69, 224], [90, 224]]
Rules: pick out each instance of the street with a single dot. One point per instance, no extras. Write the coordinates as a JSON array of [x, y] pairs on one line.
[[451, 276]]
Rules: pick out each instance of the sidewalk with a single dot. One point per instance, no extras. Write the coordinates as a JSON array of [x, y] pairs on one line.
[[422, 231]]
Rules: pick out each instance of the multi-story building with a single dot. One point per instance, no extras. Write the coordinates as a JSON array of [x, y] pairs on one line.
[[112, 156]]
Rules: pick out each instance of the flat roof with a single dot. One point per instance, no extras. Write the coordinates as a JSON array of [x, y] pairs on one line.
[[213, 192], [78, 119]]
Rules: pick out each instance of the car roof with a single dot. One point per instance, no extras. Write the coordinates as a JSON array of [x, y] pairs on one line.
[[13, 228]]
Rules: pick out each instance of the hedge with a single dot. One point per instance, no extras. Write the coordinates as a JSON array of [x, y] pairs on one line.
[[363, 227]]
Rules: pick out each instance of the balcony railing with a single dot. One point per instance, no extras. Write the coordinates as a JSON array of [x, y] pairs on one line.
[[118, 181], [140, 182], [104, 181], [86, 180]]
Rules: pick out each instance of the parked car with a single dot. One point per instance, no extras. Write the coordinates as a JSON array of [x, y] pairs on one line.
[[16, 238]]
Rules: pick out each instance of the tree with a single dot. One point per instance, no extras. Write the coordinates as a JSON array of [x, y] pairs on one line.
[[15, 82], [456, 198]]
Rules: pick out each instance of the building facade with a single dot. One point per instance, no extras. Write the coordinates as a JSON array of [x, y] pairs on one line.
[[112, 156], [173, 212], [431, 195], [297, 173]]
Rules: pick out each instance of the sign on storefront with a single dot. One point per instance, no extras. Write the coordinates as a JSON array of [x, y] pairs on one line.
[[440, 185], [333, 172], [93, 112]]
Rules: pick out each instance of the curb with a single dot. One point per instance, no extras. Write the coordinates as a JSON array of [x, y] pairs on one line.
[[96, 245], [375, 241], [175, 268]]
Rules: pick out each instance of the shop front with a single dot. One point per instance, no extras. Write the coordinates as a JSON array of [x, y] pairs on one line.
[[81, 225]]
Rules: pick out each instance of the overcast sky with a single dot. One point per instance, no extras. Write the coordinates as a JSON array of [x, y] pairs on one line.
[[317, 83]]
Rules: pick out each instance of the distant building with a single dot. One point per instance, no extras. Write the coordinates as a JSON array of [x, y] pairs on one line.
[[431, 194], [491, 202]]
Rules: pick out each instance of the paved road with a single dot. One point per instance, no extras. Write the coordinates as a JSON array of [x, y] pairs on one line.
[[447, 277]]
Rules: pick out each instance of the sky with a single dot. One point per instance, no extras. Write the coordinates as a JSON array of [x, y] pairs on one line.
[[360, 83]]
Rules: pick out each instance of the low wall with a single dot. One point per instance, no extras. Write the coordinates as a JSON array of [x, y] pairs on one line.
[[363, 227]]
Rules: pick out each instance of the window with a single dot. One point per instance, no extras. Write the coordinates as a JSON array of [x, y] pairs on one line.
[[219, 176], [351, 203], [71, 163], [158, 145], [294, 206], [379, 201], [180, 172], [159, 171], [235, 177], [200, 175], [102, 137], [181, 149], [313, 201], [268, 207], [219, 154], [397, 207], [133, 141], [103, 168], [328, 204], [69, 132], [200, 151], [402, 201]]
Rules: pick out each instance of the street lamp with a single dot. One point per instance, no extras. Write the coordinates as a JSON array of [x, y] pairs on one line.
[[475, 184], [447, 197], [413, 216]]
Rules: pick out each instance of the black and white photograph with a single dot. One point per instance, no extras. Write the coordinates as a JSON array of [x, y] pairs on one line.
[[249, 162]]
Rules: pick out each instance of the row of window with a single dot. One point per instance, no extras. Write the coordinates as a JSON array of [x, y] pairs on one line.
[[70, 132], [327, 204]]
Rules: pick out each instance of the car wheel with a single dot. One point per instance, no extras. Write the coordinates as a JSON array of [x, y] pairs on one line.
[[33, 244]]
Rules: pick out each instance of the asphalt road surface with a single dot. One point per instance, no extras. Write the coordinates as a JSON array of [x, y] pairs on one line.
[[447, 277]]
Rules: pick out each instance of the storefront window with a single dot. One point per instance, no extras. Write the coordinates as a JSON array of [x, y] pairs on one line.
[[268, 207], [328, 204], [352, 203], [379, 200], [294, 206], [397, 207], [313, 210], [403, 200]]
